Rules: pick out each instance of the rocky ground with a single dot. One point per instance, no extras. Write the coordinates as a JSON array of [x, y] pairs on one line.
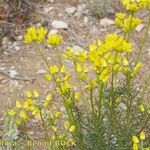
[[20, 66]]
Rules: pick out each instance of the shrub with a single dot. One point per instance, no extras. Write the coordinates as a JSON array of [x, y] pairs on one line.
[[101, 8]]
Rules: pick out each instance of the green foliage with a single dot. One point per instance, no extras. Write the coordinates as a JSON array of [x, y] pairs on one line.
[[101, 8]]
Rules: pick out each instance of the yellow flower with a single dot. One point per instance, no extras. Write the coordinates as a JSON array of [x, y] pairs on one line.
[[49, 97], [27, 103], [48, 77], [54, 40], [104, 76], [18, 104], [66, 125], [76, 96], [53, 69], [135, 146], [54, 128], [135, 5], [35, 34], [27, 39], [23, 115], [135, 139], [142, 108], [30, 108], [72, 128], [17, 122], [28, 94], [65, 86], [79, 68], [35, 93], [63, 69], [47, 100], [127, 23], [120, 15], [36, 111], [92, 47], [57, 114], [11, 112], [138, 67], [61, 137], [142, 135], [41, 32], [125, 62]]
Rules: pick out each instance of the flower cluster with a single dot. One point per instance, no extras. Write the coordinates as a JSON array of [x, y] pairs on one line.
[[38, 34], [34, 34], [54, 40], [24, 112], [136, 140], [109, 55], [126, 23], [135, 5]]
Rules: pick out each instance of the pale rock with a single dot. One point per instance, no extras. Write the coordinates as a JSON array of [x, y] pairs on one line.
[[19, 38], [41, 71], [105, 22], [77, 49], [81, 7], [70, 10], [39, 24], [14, 83], [17, 48], [57, 24], [51, 1], [140, 27], [123, 106], [48, 9], [85, 20], [148, 50], [51, 32], [5, 42], [13, 73], [80, 10]]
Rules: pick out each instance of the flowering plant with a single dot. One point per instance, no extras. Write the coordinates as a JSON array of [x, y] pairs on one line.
[[103, 109]]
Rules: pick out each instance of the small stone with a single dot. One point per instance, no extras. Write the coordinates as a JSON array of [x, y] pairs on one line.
[[5, 42], [17, 48], [140, 27], [13, 73], [70, 10], [105, 22], [41, 71], [77, 49], [14, 83], [19, 38], [39, 24], [86, 19], [148, 50], [51, 1], [51, 32], [57, 24], [81, 7], [48, 9], [123, 106]]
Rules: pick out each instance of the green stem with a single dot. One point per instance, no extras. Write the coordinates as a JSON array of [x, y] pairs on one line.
[[43, 123], [42, 55], [128, 35], [78, 80], [101, 86], [91, 100], [58, 56]]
